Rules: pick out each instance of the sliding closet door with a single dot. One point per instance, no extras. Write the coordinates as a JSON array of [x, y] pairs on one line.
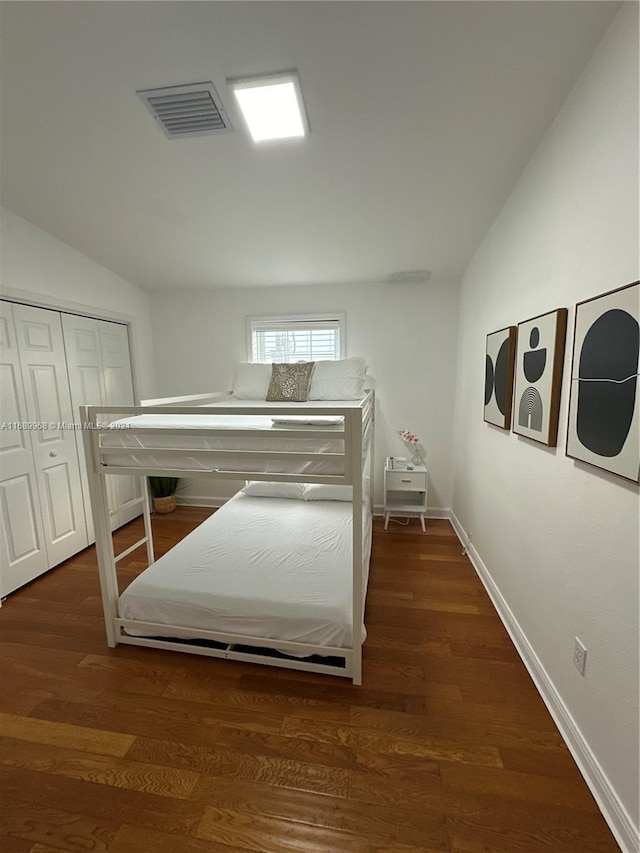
[[118, 388], [46, 389], [99, 375], [84, 363], [22, 552]]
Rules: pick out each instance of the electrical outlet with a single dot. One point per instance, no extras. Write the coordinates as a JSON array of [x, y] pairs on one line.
[[470, 537], [579, 656]]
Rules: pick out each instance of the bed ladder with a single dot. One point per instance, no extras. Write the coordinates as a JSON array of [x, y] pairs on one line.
[[148, 534]]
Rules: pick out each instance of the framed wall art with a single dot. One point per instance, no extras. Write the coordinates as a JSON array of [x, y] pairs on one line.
[[498, 383], [604, 405], [538, 376]]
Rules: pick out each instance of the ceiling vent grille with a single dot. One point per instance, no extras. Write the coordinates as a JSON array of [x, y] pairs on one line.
[[183, 111]]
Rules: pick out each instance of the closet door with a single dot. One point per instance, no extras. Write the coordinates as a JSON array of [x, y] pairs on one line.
[[22, 552], [84, 363], [118, 389], [46, 389], [99, 375]]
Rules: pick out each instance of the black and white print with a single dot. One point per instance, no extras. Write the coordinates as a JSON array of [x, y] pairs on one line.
[[604, 406], [538, 376], [498, 383]]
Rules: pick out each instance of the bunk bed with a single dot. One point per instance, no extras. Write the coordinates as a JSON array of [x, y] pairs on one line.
[[278, 580]]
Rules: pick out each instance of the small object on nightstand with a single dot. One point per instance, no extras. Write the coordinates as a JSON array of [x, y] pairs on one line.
[[397, 463], [405, 493]]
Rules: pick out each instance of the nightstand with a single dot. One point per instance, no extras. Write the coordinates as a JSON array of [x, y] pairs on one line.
[[405, 493]]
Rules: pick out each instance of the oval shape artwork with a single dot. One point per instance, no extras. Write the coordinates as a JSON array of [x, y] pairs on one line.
[[607, 382]]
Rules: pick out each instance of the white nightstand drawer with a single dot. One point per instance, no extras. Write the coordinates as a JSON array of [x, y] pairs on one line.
[[406, 481]]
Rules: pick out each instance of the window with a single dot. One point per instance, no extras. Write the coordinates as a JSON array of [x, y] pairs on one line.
[[290, 339]]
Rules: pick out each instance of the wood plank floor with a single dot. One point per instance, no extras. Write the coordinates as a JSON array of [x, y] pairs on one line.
[[445, 747]]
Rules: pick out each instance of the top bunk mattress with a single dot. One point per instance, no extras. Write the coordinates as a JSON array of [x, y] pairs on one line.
[[268, 568], [273, 434]]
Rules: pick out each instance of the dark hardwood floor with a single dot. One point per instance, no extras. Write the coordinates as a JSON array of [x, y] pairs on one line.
[[446, 746]]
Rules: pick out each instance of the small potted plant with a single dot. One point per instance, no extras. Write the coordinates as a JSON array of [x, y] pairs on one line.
[[163, 491]]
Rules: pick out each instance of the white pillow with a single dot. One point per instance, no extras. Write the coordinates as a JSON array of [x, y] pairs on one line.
[[251, 381], [327, 492], [264, 489], [338, 380], [331, 380]]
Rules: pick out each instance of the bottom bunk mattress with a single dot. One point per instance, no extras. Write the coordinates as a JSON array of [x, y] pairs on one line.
[[259, 567]]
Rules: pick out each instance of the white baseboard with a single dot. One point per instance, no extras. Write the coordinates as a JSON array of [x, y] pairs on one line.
[[626, 833], [201, 500], [438, 512]]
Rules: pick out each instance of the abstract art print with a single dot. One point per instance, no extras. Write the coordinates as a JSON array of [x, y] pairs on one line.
[[604, 406], [498, 382], [538, 376]]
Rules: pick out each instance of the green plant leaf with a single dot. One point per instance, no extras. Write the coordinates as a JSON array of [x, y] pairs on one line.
[[162, 487]]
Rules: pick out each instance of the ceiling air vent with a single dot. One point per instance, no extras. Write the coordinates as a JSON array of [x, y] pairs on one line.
[[183, 111]]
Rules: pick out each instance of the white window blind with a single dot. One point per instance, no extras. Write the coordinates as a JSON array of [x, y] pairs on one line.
[[295, 339]]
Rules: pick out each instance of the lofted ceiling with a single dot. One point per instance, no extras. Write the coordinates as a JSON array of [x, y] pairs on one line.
[[422, 115]]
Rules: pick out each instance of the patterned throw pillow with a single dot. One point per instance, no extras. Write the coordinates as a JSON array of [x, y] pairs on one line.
[[290, 382]]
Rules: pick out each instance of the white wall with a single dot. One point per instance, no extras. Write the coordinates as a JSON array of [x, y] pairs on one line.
[[37, 267], [407, 333], [560, 538]]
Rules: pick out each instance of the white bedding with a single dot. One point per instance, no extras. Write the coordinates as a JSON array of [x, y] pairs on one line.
[[261, 567], [268, 438]]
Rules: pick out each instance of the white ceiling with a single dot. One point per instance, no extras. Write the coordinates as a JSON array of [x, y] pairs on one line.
[[423, 115]]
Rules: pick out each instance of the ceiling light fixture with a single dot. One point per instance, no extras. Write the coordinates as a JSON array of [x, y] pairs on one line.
[[272, 106]]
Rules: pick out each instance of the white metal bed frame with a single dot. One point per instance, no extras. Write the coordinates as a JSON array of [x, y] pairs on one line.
[[357, 434]]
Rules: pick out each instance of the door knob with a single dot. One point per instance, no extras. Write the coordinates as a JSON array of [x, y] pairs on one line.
[[53, 453]]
